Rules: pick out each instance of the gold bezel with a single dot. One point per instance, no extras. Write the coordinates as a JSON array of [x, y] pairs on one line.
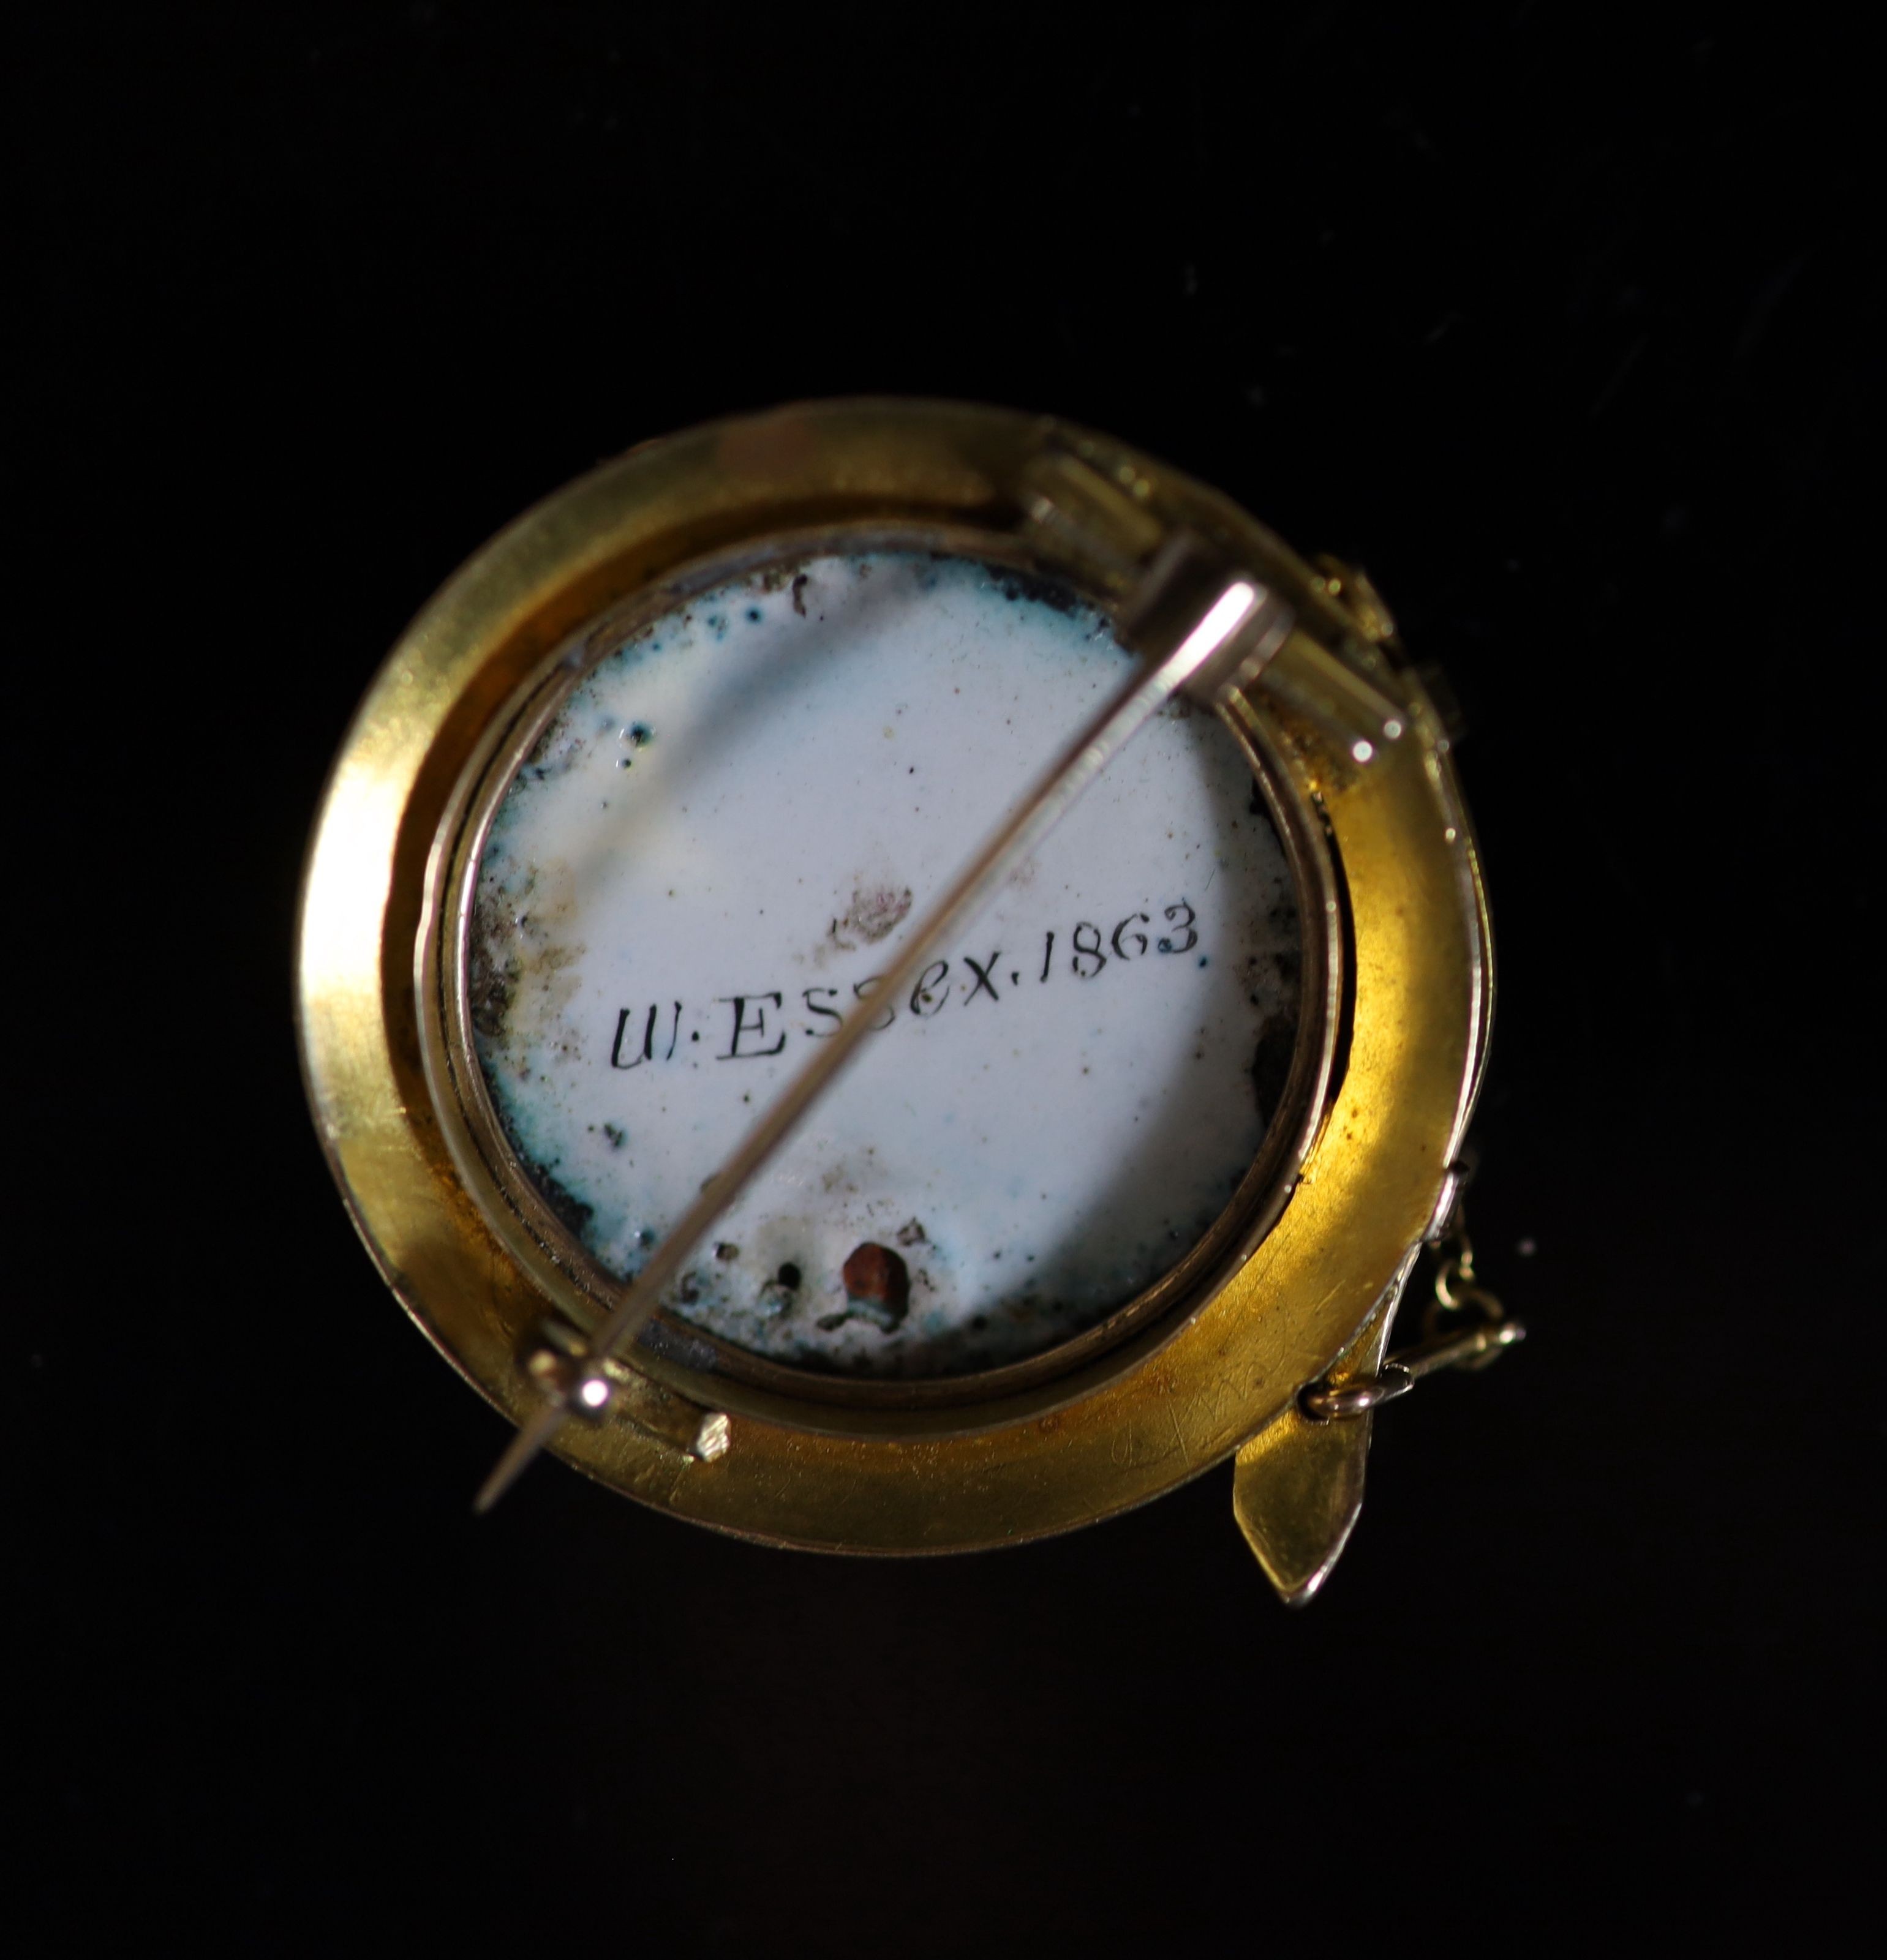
[[703, 1367], [1385, 852]]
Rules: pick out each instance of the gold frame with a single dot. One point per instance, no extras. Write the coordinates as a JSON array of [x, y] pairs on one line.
[[577, 1285], [1386, 849]]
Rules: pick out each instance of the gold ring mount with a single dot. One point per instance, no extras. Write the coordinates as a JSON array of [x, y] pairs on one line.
[[1311, 1259]]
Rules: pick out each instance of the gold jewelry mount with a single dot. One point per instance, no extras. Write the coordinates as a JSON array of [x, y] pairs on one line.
[[1384, 851]]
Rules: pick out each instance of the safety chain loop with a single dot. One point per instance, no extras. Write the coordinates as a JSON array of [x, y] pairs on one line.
[[1456, 1269], [1446, 1342]]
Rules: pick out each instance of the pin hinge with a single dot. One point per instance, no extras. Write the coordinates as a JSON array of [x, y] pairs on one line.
[[1164, 572]]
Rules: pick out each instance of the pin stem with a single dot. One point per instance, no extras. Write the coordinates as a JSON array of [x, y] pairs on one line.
[[517, 1458]]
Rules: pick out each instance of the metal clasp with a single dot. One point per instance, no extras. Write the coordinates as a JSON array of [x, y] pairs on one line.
[[1445, 1342], [575, 1380]]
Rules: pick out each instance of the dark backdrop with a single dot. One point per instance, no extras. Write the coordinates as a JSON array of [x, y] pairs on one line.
[[1568, 333]]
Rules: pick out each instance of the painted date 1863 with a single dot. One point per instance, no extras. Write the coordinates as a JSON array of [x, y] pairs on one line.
[[747, 1026]]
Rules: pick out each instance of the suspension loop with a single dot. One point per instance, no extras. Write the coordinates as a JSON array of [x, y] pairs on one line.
[[1456, 1271]]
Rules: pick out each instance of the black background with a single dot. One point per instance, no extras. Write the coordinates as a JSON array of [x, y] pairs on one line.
[[1566, 330]]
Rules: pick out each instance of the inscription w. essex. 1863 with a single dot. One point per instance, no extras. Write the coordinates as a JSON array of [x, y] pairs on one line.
[[755, 1024]]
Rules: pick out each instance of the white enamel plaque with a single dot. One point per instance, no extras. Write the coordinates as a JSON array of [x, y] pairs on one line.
[[713, 852]]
